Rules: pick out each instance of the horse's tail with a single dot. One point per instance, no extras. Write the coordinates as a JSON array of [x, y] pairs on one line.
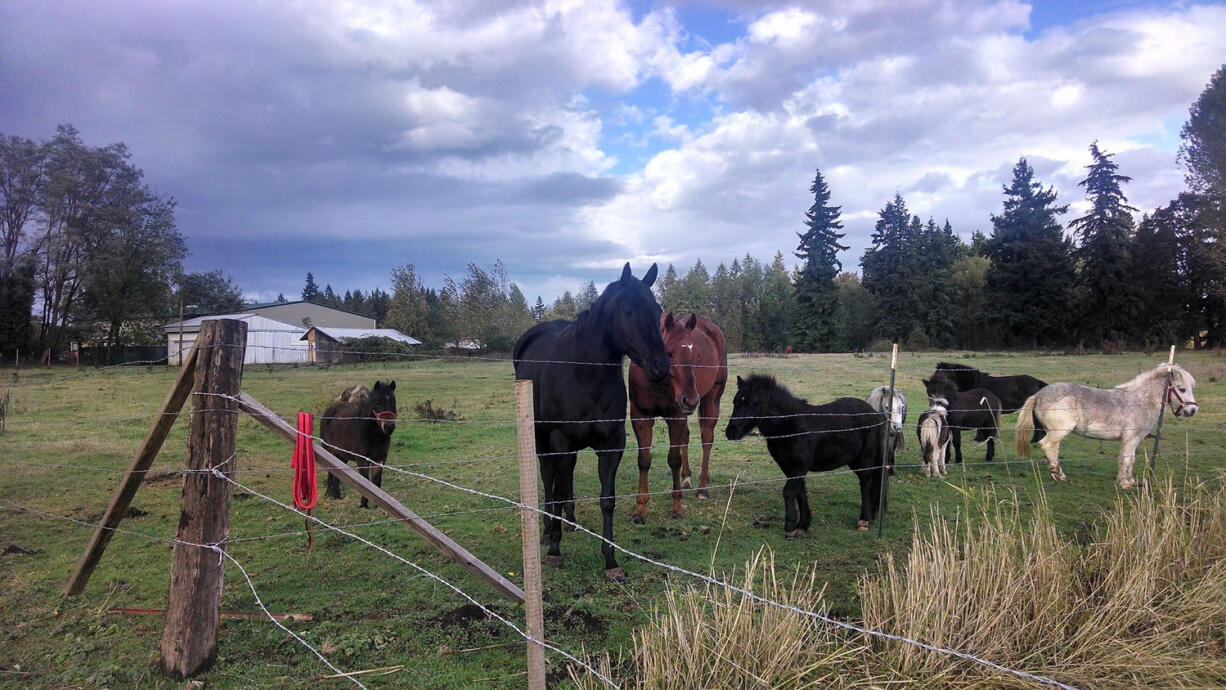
[[1025, 428], [929, 435]]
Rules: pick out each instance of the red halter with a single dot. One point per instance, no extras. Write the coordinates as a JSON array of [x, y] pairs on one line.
[[1172, 393], [380, 414]]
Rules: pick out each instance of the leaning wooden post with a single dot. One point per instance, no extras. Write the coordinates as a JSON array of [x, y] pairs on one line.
[[1153, 458], [189, 640], [529, 527], [887, 437]]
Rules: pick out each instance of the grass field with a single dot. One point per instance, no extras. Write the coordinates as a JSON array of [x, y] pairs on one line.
[[71, 434]]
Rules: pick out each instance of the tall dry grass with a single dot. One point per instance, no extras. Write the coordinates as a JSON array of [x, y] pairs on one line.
[[1142, 603]]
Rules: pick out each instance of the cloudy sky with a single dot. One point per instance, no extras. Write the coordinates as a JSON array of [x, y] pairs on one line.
[[566, 138]]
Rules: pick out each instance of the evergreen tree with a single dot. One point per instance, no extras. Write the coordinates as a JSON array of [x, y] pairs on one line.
[[979, 244], [1029, 282], [777, 306], [817, 308], [726, 311], [377, 305], [692, 294], [666, 293], [310, 291], [564, 307], [538, 309], [1165, 293], [281, 298], [587, 296], [752, 283], [938, 248], [967, 283], [1106, 295], [329, 297], [857, 309], [1203, 151], [890, 270]]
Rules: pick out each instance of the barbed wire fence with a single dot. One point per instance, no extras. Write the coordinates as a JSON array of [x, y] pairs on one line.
[[413, 470]]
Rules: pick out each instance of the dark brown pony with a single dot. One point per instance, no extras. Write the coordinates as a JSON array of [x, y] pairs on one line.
[[357, 427], [695, 381]]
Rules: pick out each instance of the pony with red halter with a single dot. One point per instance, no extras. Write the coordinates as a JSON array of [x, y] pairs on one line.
[[358, 428], [696, 381], [1126, 413]]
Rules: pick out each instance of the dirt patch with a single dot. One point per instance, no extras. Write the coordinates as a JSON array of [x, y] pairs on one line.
[[134, 512], [463, 616], [575, 619], [15, 550]]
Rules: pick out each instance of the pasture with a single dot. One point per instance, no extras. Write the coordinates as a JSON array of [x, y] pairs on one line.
[[71, 434]]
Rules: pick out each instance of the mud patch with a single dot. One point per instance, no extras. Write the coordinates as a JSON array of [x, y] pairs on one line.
[[464, 616], [134, 512], [575, 619]]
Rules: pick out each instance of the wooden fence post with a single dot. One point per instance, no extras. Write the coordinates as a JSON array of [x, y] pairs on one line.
[[189, 640], [529, 526]]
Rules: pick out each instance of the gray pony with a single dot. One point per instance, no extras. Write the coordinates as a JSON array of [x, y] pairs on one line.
[[1126, 413]]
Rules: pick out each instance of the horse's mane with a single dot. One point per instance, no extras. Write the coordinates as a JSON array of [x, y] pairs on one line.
[[1160, 370], [772, 390], [354, 394]]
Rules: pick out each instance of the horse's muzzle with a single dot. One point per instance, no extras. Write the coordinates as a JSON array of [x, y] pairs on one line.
[[1189, 410], [657, 368]]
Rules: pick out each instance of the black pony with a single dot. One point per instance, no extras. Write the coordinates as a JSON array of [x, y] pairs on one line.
[[975, 410], [357, 427], [1012, 390], [579, 395], [803, 438]]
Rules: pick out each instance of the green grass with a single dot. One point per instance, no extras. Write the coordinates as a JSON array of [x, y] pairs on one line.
[[70, 435]]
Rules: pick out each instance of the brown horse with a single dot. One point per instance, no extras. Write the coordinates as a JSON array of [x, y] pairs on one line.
[[695, 381]]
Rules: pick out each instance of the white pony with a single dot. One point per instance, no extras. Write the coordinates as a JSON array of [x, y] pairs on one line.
[[1126, 413], [898, 415], [933, 433]]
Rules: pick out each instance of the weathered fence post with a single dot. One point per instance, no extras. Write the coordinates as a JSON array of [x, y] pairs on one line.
[[1153, 458], [887, 441], [529, 527], [189, 640]]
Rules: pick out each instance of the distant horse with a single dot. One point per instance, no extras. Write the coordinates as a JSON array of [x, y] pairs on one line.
[[803, 438], [898, 415], [1126, 413], [357, 427], [696, 382], [579, 395], [975, 410], [934, 435]]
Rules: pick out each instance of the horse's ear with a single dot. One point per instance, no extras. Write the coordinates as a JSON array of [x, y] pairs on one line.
[[626, 275], [739, 381], [649, 277], [668, 320], [378, 385], [689, 325], [391, 385]]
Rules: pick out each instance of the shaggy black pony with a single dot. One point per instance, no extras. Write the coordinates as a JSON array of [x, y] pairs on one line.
[[975, 410], [579, 395], [803, 438], [357, 427]]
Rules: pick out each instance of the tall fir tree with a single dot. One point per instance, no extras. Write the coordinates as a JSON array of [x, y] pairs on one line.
[[889, 270], [1106, 296], [538, 309], [815, 327], [1028, 285], [310, 291]]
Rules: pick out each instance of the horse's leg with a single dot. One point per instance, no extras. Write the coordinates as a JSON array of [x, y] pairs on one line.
[[643, 426], [955, 435], [1128, 450], [334, 487], [364, 468], [869, 481], [791, 505], [678, 440], [802, 497], [708, 418], [551, 537], [607, 462], [941, 451], [565, 490], [991, 447], [1051, 448]]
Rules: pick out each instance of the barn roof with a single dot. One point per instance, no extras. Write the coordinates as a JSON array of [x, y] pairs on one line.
[[255, 324], [355, 333]]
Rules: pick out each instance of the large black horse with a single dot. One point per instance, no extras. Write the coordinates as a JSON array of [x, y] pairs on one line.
[[579, 395], [975, 410], [803, 438], [1012, 390]]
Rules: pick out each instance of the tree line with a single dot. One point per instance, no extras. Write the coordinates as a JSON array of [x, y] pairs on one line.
[[89, 252]]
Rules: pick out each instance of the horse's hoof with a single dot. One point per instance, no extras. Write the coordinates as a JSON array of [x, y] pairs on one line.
[[862, 526], [702, 495], [567, 526], [1128, 486], [795, 534], [615, 575], [637, 519], [555, 561], [685, 483], [676, 514]]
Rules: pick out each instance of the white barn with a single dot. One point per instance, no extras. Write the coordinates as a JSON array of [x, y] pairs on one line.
[[268, 341]]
